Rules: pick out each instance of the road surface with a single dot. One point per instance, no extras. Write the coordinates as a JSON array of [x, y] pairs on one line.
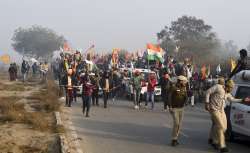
[[121, 129]]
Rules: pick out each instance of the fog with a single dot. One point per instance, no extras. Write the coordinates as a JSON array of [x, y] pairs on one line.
[[128, 24]]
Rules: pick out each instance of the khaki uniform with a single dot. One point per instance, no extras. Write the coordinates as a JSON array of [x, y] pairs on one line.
[[216, 98], [177, 99]]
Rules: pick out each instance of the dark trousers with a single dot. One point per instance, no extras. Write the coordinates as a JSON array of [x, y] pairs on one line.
[[137, 94], [75, 94], [95, 97], [114, 93], [165, 99], [86, 102], [105, 98], [69, 97]]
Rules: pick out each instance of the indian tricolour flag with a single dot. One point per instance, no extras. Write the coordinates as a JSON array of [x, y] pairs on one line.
[[155, 52]]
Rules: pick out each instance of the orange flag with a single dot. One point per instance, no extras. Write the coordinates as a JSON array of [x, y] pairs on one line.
[[5, 59], [203, 72], [66, 47]]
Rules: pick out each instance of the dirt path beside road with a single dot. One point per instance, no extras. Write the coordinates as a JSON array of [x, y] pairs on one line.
[[27, 122]]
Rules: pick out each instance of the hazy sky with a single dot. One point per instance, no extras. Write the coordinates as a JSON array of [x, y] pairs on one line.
[[126, 24]]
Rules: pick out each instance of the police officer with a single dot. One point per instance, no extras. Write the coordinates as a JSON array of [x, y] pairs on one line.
[[212, 134], [216, 97], [177, 99]]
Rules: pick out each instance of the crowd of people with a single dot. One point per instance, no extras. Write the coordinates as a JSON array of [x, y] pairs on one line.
[[180, 85], [25, 68]]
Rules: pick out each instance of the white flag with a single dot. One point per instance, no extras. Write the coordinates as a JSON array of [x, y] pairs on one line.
[[218, 69]]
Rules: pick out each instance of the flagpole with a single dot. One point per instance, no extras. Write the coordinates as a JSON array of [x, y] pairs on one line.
[[148, 63]]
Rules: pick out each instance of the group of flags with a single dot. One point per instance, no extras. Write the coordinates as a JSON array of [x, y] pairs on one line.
[[5, 59]]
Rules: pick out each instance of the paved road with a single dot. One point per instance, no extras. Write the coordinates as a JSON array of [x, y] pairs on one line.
[[121, 129]]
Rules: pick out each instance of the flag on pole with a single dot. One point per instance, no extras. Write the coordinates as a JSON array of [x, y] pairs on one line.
[[5, 59], [208, 70], [66, 47], [233, 64], [154, 52], [115, 55], [203, 72], [218, 69]]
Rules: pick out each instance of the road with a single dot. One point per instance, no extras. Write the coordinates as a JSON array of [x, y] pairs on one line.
[[121, 129]]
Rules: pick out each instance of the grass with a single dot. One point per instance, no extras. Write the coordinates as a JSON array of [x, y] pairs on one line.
[[16, 113], [12, 87], [45, 101], [27, 149], [59, 129], [47, 97]]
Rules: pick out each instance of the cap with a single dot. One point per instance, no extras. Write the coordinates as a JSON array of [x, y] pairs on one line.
[[182, 78]]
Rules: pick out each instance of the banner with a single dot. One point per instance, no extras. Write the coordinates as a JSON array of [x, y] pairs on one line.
[[115, 55], [5, 59]]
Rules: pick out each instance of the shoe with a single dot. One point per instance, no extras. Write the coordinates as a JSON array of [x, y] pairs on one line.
[[87, 115], [136, 107], [222, 150], [210, 141], [215, 146], [174, 143]]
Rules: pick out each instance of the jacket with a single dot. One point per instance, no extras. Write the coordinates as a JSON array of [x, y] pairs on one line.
[[165, 85], [151, 84], [216, 97], [178, 96], [103, 83], [136, 82], [87, 89]]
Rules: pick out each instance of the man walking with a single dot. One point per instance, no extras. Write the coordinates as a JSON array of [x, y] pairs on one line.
[[96, 83], [87, 93], [165, 86], [177, 98], [106, 86], [136, 84], [151, 89], [24, 70]]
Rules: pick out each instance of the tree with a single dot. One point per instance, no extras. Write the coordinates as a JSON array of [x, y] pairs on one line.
[[36, 41], [192, 36], [231, 49]]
